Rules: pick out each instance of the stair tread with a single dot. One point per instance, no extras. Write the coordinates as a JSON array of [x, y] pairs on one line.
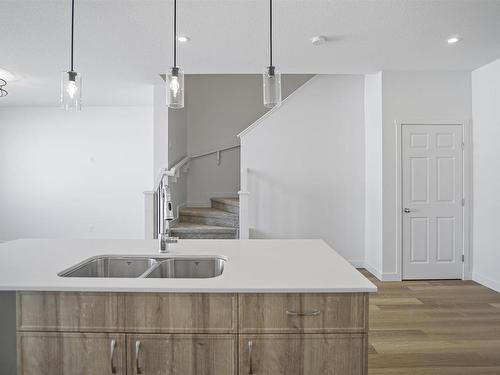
[[229, 201], [192, 227], [205, 212]]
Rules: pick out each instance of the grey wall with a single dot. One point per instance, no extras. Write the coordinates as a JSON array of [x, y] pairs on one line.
[[218, 107], [8, 333], [177, 150]]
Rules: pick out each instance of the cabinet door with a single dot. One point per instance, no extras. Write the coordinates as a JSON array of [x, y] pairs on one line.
[[181, 354], [314, 354], [70, 354]]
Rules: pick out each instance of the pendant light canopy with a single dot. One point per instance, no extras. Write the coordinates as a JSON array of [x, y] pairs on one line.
[[71, 81], [271, 77], [175, 76]]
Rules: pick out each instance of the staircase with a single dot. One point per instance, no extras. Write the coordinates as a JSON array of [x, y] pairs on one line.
[[220, 221]]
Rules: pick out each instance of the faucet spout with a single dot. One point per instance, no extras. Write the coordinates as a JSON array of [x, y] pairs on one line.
[[166, 215]]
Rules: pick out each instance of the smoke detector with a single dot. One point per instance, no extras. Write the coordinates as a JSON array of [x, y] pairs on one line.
[[318, 40]]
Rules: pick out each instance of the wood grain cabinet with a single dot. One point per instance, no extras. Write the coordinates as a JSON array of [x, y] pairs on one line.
[[303, 354], [75, 333], [46, 353], [182, 354], [303, 313]]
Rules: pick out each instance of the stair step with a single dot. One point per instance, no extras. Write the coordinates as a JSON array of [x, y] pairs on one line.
[[208, 216], [226, 204], [200, 231]]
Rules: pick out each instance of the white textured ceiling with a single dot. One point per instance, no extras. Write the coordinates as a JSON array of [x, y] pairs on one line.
[[122, 45]]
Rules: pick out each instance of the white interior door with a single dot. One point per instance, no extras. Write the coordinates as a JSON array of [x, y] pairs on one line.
[[432, 201]]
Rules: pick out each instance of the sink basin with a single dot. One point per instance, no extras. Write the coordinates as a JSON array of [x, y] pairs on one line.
[[188, 268], [110, 266], [134, 266]]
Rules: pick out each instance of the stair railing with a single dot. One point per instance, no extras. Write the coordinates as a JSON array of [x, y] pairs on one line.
[[151, 200]]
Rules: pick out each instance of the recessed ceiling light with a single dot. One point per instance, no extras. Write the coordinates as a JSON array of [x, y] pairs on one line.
[[454, 39], [183, 39], [318, 40]]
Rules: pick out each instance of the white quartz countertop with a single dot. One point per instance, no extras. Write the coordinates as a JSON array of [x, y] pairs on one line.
[[252, 266]]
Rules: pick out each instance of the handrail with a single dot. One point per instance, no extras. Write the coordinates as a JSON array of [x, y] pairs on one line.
[[175, 170], [214, 151]]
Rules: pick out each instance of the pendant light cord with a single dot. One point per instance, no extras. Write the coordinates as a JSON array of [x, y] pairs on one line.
[[175, 33], [72, 30], [270, 32]]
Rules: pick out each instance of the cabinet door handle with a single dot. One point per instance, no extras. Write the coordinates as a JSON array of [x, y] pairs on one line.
[[305, 313], [112, 356], [138, 368], [250, 361]]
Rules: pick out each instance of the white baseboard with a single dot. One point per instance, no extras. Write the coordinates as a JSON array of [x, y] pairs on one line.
[[487, 282], [357, 263], [391, 277], [373, 271]]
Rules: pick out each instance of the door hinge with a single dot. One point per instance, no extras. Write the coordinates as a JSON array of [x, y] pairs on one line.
[[463, 202], [463, 145], [463, 258]]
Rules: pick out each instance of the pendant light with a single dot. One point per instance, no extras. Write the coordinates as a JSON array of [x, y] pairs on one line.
[[71, 81], [3, 92], [175, 76], [271, 77]]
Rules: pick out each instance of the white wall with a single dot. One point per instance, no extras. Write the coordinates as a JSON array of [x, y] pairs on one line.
[[74, 175], [218, 107], [306, 164], [160, 126], [486, 133], [431, 96], [373, 174]]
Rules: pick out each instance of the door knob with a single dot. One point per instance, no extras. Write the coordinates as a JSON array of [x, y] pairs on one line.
[[407, 210]]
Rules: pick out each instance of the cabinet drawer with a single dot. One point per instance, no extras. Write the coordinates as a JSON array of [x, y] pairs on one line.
[[343, 354], [69, 311], [303, 313], [182, 354], [181, 313], [70, 353]]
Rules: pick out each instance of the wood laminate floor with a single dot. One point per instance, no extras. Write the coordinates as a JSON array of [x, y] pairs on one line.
[[434, 328]]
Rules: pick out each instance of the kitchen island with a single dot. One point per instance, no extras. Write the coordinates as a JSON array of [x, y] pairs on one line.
[[279, 307]]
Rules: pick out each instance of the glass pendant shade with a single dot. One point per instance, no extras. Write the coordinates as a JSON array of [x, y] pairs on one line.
[[175, 88], [272, 87], [71, 91]]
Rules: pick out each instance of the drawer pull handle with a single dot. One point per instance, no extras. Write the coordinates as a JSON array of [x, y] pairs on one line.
[[138, 368], [305, 313], [112, 357], [250, 361]]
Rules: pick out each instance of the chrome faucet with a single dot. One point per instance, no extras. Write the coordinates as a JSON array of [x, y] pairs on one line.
[[166, 215]]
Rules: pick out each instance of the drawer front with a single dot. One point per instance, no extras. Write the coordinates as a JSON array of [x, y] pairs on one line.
[[343, 354], [50, 353], [181, 313], [182, 354], [69, 311], [303, 313]]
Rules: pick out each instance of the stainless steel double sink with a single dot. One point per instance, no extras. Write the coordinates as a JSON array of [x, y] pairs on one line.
[[139, 266]]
